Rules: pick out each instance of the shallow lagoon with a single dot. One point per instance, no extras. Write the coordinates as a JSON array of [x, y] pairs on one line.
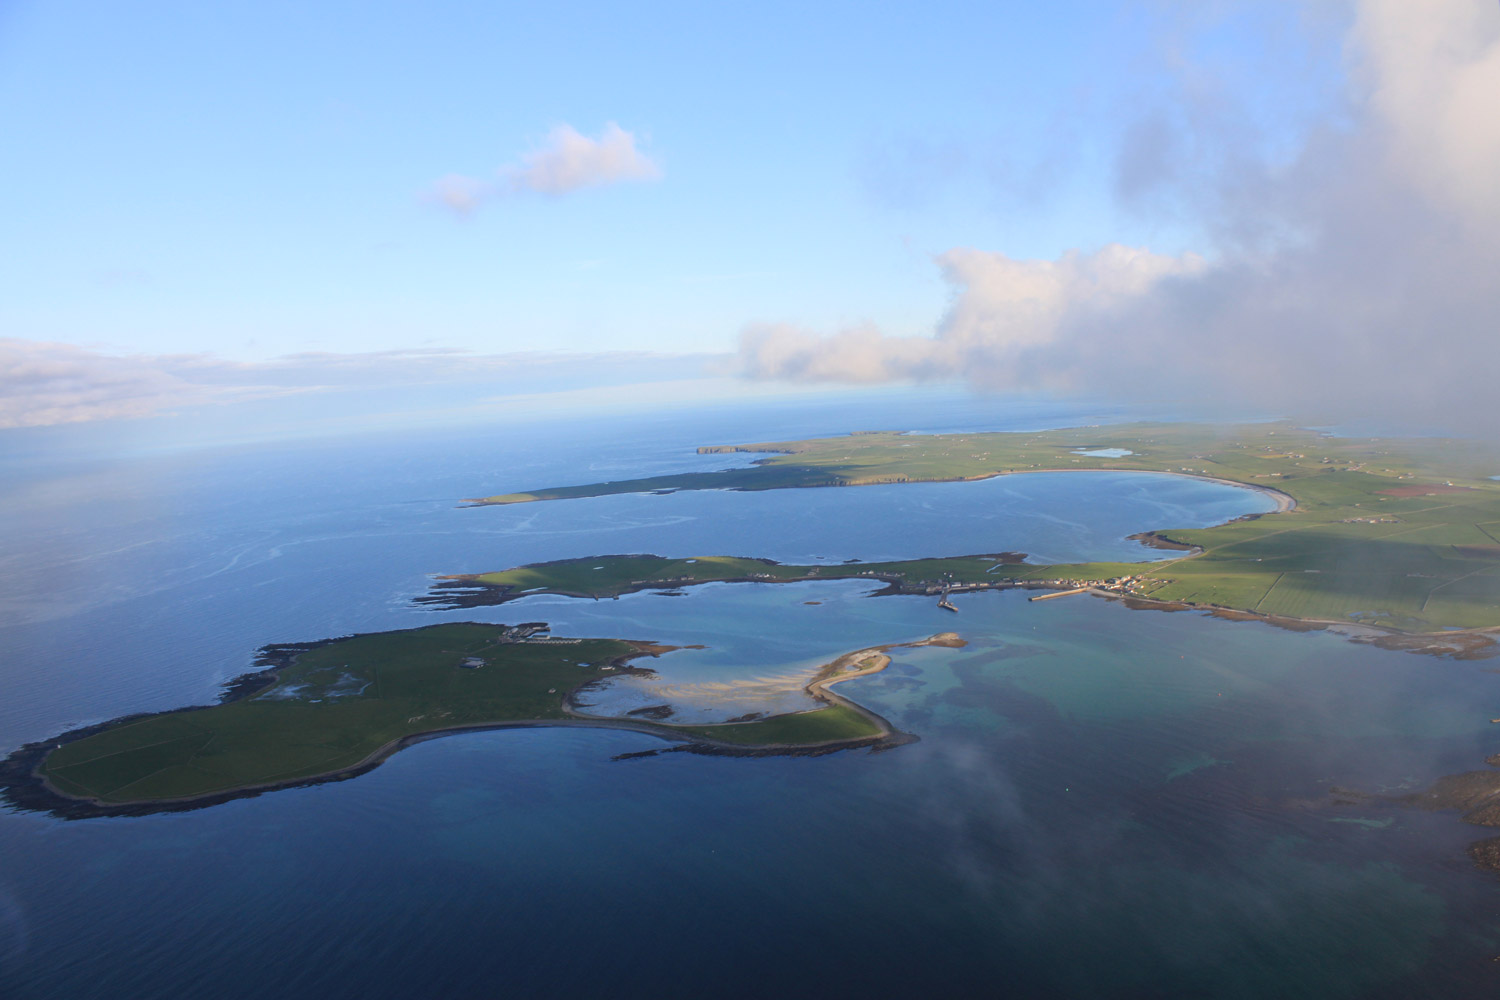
[[1103, 802]]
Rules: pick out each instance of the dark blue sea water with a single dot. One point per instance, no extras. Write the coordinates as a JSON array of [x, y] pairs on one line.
[[1102, 803]]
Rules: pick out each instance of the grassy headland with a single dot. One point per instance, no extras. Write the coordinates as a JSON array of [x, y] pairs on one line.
[[1398, 533]]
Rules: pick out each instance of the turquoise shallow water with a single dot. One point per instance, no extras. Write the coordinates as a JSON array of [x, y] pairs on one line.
[[1102, 802]]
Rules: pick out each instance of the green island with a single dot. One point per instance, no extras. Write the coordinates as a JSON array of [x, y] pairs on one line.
[[333, 709], [1401, 535]]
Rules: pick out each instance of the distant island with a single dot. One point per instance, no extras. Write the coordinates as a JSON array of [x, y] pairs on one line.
[[1401, 535], [333, 709]]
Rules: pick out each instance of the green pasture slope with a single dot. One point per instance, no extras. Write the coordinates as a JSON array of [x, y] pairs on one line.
[[1401, 533], [341, 702]]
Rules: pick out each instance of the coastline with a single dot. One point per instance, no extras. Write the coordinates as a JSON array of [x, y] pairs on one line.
[[1285, 502], [1459, 644], [458, 591], [21, 778], [1468, 643], [23, 786], [1475, 642], [1327, 481]]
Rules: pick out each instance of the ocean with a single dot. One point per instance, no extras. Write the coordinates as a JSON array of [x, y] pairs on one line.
[[1102, 802]]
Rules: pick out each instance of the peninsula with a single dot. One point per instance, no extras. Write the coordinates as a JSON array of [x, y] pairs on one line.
[[1397, 534], [333, 709]]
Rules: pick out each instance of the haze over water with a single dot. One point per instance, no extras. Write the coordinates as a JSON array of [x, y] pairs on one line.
[[1103, 802]]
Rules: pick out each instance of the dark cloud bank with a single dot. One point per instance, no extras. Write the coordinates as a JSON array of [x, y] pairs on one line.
[[1359, 280]]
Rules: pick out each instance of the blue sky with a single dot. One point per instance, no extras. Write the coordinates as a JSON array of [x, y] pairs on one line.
[[248, 179]]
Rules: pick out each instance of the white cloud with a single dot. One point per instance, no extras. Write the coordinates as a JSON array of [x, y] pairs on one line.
[[1010, 305], [569, 161], [1357, 280], [1433, 71], [48, 383], [566, 162], [43, 383], [1004, 313], [861, 354], [462, 194]]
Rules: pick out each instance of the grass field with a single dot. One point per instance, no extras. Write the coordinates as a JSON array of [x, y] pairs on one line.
[[342, 701], [1401, 533]]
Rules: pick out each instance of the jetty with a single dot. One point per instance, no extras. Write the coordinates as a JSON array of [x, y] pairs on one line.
[[1059, 593], [946, 604]]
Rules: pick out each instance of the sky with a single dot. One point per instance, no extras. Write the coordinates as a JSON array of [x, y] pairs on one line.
[[207, 203]]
